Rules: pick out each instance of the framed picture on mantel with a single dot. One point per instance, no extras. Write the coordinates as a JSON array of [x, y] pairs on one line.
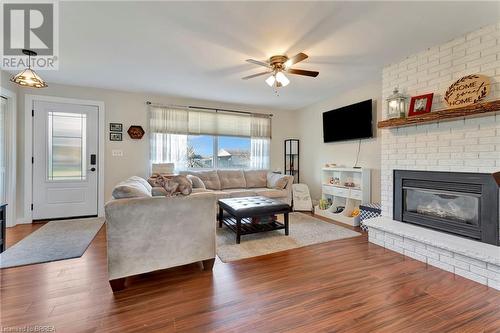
[[420, 105]]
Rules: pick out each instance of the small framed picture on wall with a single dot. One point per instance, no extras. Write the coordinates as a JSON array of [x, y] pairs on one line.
[[115, 136], [420, 104], [115, 127]]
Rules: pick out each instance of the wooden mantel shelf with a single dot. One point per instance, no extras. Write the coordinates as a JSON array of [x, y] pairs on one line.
[[475, 110]]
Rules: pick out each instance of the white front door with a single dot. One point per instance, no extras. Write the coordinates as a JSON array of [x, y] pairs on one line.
[[65, 150]]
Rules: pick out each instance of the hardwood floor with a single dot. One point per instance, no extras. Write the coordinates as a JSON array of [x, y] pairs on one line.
[[346, 285]]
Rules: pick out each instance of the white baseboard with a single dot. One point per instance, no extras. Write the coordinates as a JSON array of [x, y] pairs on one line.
[[23, 221]]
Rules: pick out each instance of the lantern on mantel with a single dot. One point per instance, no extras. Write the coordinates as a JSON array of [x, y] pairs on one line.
[[396, 105]]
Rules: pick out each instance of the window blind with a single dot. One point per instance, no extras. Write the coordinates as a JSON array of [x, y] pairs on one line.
[[168, 121], [202, 122]]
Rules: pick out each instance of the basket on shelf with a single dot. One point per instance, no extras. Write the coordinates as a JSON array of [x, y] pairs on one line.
[[369, 211]]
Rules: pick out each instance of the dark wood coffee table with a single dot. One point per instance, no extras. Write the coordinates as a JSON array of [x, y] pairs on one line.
[[240, 212]]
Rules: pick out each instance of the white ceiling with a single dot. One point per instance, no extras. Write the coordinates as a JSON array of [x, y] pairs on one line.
[[198, 49]]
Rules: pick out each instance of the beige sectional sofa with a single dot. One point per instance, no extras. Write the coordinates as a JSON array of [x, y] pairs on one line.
[[147, 233], [243, 183]]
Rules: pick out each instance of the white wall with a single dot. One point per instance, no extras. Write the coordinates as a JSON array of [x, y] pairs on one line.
[[315, 153], [130, 109], [470, 145]]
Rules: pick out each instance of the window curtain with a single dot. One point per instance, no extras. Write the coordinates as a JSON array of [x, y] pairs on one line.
[[169, 148], [170, 127], [202, 122], [168, 136], [260, 126], [259, 153], [168, 121], [260, 142]]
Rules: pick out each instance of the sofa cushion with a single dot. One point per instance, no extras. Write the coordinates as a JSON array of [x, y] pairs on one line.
[[271, 192], [209, 178], [276, 180], [159, 191], [218, 194], [196, 181], [256, 178], [232, 179], [134, 187], [240, 192]]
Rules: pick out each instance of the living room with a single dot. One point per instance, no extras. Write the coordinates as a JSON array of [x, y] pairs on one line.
[[148, 185]]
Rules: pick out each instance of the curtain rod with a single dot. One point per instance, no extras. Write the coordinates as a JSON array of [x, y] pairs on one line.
[[207, 108]]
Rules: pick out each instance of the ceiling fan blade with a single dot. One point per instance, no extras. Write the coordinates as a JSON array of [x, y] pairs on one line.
[[302, 72], [254, 75], [296, 58], [256, 62]]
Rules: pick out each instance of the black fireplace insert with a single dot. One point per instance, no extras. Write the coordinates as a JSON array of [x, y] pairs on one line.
[[460, 203]]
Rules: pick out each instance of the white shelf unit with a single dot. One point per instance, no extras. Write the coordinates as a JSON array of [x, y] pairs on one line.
[[340, 195]]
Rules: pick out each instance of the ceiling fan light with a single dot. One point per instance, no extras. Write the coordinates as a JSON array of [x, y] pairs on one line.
[[281, 78], [270, 80]]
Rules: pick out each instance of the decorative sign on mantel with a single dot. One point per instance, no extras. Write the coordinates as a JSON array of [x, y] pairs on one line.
[[467, 90]]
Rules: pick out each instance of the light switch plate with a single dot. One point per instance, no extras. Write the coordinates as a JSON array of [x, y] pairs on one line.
[[117, 153]]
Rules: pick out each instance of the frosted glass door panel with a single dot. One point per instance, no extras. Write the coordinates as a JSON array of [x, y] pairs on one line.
[[66, 146]]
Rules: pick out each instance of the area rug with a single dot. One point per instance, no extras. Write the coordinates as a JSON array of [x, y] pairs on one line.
[[57, 240], [304, 230]]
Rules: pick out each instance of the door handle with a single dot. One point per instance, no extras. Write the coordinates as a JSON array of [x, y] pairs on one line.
[[93, 160], [92, 169]]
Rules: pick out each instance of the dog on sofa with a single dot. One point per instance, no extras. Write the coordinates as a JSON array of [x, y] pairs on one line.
[[173, 185]]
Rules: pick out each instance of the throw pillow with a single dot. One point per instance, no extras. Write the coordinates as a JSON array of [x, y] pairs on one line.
[[276, 181], [196, 181], [131, 188]]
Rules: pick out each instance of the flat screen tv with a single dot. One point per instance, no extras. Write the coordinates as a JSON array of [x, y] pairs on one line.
[[348, 122]]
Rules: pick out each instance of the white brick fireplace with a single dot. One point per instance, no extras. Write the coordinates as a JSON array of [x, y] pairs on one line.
[[466, 145], [470, 145]]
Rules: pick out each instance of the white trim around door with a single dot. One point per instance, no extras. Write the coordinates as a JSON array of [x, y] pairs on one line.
[[28, 148], [11, 153]]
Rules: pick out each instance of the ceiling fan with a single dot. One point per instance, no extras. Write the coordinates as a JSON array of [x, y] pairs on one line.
[[277, 66]]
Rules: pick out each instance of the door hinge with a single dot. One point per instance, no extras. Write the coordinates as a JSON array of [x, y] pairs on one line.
[[32, 112], [31, 206]]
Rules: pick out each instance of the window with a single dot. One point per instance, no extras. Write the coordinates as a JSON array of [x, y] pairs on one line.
[[200, 151], [66, 146], [195, 139], [233, 152]]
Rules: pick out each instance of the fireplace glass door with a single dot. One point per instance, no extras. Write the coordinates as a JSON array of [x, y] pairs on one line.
[[450, 206], [459, 203]]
